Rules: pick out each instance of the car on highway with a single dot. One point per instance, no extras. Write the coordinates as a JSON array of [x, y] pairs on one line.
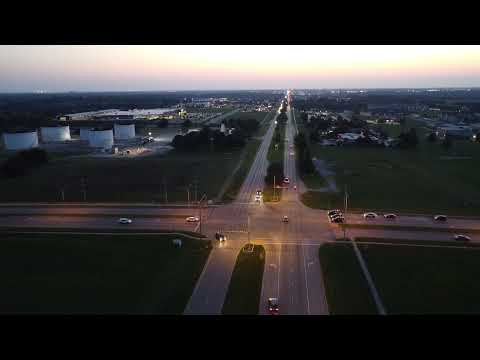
[[220, 237], [370, 215], [124, 221], [334, 212], [294, 187], [273, 306], [285, 219], [292, 153], [193, 219], [460, 237], [390, 216], [337, 219], [286, 181], [258, 195], [440, 218]]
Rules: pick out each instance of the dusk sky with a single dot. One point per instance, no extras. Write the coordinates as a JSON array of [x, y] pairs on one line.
[[206, 67]]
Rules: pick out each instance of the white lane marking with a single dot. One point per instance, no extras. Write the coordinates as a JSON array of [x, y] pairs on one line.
[[278, 279], [306, 280]]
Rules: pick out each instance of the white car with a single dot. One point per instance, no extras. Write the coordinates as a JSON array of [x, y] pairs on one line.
[[285, 219], [462, 238], [124, 221], [369, 215], [292, 153], [286, 181], [193, 219]]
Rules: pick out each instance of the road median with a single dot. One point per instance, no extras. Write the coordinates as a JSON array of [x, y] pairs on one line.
[[409, 228], [243, 295]]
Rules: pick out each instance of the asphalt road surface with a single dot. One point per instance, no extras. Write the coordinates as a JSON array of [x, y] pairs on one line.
[[292, 268], [232, 220]]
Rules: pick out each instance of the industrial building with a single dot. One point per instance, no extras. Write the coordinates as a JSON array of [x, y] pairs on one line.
[[457, 131], [20, 140], [124, 131], [101, 138], [55, 133], [84, 133]]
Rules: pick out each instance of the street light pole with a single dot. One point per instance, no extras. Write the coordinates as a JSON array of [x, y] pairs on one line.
[[200, 212], [345, 212], [274, 188], [248, 225]]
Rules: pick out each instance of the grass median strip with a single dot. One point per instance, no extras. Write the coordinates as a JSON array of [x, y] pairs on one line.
[[240, 175], [425, 280], [416, 242], [346, 288], [243, 295], [98, 274], [93, 231], [410, 228]]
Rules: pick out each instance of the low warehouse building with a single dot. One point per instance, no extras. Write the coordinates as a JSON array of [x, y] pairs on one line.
[[123, 132], [84, 133], [55, 133], [20, 140], [100, 138]]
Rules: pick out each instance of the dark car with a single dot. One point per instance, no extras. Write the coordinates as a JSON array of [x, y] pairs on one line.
[[441, 218], [220, 237], [338, 220], [390, 216], [334, 212], [273, 306]]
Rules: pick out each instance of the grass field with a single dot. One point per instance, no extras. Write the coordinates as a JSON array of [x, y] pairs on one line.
[[416, 242], [100, 274], [346, 289], [140, 179], [418, 280], [426, 180], [315, 180], [243, 293], [238, 178]]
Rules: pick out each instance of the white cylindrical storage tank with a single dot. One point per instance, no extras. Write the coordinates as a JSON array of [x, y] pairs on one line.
[[100, 138], [20, 140], [123, 132], [84, 133], [55, 133]]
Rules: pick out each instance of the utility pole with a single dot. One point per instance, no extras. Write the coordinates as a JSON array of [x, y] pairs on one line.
[[84, 188], [62, 192], [196, 186], [165, 189], [248, 225], [200, 212], [274, 188], [188, 195], [345, 212]]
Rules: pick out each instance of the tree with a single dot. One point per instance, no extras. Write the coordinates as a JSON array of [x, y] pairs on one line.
[[21, 162], [274, 170], [403, 122], [432, 137], [187, 124], [447, 142]]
